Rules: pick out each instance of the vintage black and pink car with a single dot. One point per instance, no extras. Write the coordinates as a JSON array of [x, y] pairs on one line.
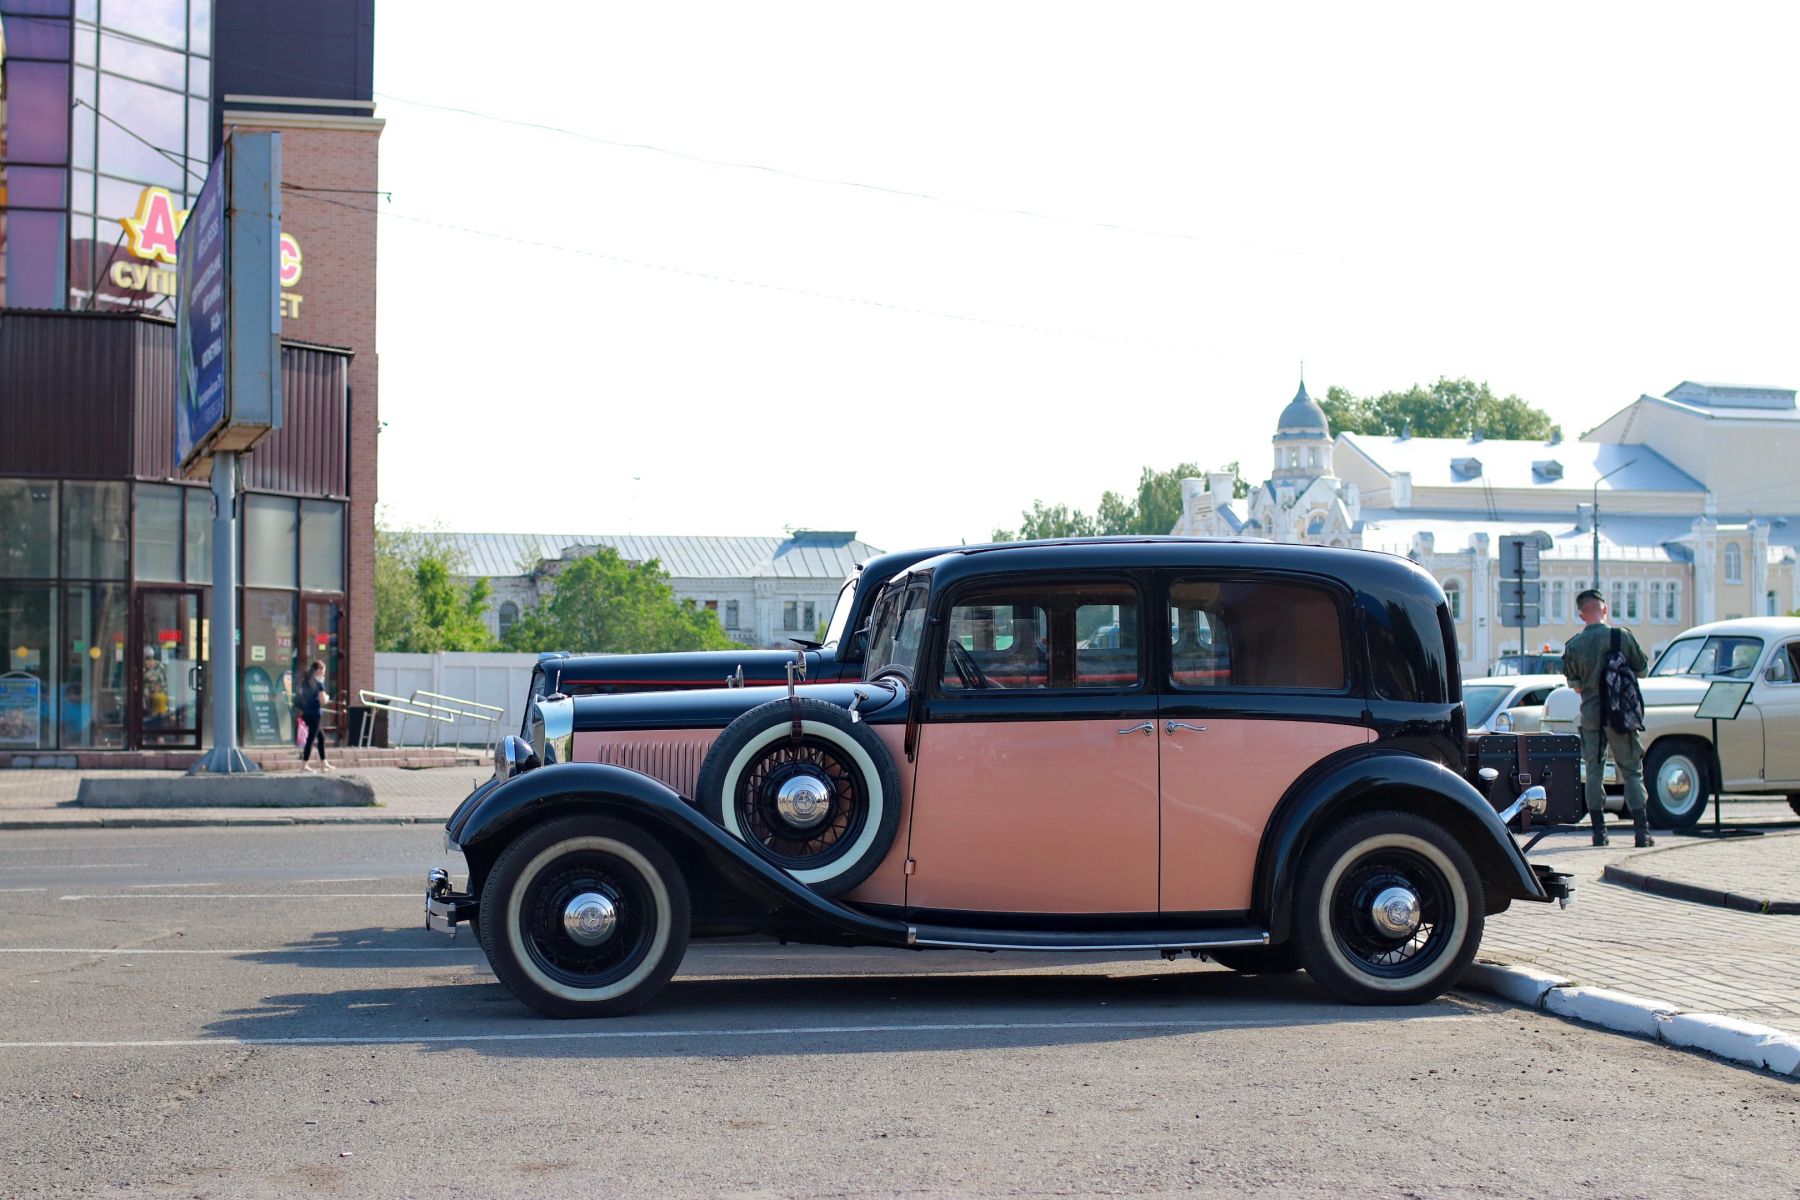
[[1242, 750]]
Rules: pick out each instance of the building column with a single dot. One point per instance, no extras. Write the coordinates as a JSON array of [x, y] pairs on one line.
[[1481, 610], [1706, 571], [1759, 569]]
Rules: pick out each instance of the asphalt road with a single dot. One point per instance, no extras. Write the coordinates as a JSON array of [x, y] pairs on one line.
[[239, 1013]]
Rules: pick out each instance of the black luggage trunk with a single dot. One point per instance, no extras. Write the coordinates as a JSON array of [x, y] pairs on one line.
[[1552, 760]]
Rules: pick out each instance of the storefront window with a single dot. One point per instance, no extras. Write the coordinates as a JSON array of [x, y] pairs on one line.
[[270, 541], [27, 529], [28, 669], [94, 676], [199, 535], [94, 527], [266, 704], [156, 538], [321, 546]]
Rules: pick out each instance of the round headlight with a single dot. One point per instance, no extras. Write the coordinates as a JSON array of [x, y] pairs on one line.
[[1503, 723], [512, 756]]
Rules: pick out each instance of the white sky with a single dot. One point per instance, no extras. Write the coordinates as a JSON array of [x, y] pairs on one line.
[[1577, 203]]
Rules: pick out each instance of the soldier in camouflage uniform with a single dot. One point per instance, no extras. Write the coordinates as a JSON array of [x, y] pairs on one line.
[[1584, 662]]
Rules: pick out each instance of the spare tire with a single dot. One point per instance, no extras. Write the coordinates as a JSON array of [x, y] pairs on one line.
[[824, 808]]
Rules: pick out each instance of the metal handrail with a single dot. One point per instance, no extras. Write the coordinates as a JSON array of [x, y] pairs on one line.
[[491, 718], [395, 704]]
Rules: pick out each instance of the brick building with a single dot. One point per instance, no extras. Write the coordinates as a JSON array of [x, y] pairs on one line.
[[110, 112]]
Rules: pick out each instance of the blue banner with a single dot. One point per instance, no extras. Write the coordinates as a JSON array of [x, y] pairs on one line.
[[200, 308]]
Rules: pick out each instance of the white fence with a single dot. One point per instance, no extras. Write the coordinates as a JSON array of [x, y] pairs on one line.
[[497, 679]]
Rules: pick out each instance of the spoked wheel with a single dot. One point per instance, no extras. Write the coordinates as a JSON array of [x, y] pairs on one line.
[[585, 917], [823, 808], [1389, 910]]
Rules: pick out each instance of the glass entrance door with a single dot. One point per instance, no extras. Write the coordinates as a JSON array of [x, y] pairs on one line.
[[168, 687], [320, 641]]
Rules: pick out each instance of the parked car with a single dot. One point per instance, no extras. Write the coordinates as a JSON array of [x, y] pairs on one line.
[[1545, 662], [1508, 703], [1265, 770], [839, 656], [1759, 752]]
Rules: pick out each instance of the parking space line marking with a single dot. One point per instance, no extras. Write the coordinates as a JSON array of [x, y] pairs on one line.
[[67, 866], [419, 895], [593, 1035], [24, 889], [213, 883], [254, 950]]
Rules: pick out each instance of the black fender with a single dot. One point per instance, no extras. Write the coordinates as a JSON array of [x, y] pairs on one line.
[[756, 893], [1367, 779]]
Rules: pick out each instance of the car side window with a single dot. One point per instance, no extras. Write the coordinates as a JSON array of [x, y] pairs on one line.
[[1784, 664], [1069, 636], [1254, 633], [1534, 696]]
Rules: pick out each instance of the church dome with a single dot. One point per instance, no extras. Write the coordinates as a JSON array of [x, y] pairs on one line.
[[1303, 415]]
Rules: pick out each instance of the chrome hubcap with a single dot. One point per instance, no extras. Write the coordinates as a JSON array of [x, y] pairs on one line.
[[803, 801], [1677, 782], [1396, 912], [590, 919]]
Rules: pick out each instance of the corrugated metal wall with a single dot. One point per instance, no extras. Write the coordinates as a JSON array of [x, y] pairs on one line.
[[65, 395], [306, 454], [66, 404]]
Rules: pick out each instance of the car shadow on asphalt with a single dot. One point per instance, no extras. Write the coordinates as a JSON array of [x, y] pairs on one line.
[[815, 1010]]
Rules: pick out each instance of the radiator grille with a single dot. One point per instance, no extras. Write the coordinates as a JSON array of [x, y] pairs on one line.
[[672, 762]]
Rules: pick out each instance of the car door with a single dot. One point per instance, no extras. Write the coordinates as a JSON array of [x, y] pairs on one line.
[[1777, 695], [1255, 690], [1035, 785]]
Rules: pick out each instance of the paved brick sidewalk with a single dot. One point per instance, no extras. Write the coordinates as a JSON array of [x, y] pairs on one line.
[[1753, 872], [1704, 959], [47, 797]]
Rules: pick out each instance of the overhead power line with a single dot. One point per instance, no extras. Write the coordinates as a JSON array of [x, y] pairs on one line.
[[739, 281]]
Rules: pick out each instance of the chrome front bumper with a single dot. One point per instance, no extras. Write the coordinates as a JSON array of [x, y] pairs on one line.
[[445, 909]]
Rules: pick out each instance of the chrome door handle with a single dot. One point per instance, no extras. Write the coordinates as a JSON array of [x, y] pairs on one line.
[[1172, 726], [1146, 728]]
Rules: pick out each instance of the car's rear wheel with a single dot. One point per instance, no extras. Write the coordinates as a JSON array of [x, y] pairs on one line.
[[1389, 910], [1258, 960], [1677, 780], [824, 806], [585, 917]]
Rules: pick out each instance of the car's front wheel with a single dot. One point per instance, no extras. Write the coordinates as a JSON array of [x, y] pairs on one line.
[[1676, 778], [585, 917], [1389, 910]]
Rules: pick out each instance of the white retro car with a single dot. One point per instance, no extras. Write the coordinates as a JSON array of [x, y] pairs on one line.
[[1759, 752]]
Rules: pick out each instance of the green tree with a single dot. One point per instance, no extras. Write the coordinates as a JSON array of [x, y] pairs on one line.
[[1450, 408], [1153, 509], [603, 604], [419, 604]]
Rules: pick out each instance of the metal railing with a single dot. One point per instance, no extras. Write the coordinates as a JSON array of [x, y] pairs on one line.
[[401, 707], [455, 710]]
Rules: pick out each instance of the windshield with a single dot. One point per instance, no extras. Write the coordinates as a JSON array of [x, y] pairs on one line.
[[1482, 701], [1721, 654], [895, 631], [840, 616]]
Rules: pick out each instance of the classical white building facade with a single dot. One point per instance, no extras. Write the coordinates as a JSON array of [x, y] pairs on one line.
[[1698, 502], [765, 590]]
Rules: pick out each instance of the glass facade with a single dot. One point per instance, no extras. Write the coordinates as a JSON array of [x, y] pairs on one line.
[[103, 612], [100, 101]]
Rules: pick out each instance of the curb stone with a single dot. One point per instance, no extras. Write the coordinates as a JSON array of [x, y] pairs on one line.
[[1699, 893], [1726, 1037]]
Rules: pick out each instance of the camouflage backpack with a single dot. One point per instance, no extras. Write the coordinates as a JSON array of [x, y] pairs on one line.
[[1622, 704]]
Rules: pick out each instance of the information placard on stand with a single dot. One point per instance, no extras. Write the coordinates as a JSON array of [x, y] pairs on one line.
[[1723, 701]]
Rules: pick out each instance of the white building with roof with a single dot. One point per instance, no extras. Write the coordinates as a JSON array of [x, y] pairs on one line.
[[765, 590], [1696, 489]]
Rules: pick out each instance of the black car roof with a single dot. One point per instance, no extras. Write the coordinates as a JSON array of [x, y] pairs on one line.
[[1364, 570]]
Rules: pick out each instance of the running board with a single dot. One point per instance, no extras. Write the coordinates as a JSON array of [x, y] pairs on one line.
[[951, 938]]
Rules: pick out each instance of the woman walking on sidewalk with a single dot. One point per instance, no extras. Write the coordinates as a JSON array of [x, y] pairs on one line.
[[312, 696]]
